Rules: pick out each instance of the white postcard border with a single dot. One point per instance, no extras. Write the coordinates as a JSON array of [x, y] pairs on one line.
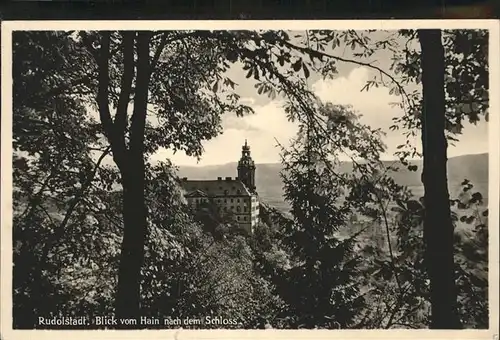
[[8, 27]]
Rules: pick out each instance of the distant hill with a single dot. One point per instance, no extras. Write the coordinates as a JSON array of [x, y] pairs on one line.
[[269, 184]]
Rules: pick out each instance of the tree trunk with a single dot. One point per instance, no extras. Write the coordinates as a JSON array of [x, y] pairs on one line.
[[132, 249], [438, 227], [134, 208]]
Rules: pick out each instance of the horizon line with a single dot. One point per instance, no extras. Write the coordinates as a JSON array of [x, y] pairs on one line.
[[269, 163]]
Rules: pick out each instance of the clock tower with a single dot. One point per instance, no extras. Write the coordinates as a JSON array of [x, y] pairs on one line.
[[246, 168]]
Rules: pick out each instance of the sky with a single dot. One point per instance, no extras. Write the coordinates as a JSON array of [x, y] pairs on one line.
[[269, 124]]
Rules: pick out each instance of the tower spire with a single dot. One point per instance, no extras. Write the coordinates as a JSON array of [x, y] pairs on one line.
[[246, 167]]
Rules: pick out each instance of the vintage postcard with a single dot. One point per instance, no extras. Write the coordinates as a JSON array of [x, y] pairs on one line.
[[274, 179]]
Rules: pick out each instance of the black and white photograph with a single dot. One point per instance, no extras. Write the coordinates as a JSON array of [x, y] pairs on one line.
[[281, 178]]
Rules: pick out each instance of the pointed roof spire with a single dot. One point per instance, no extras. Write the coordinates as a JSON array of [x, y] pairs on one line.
[[245, 148]]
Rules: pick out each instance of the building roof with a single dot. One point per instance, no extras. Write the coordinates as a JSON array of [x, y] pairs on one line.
[[219, 187], [196, 193]]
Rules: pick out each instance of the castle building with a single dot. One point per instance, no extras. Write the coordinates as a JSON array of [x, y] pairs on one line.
[[235, 196]]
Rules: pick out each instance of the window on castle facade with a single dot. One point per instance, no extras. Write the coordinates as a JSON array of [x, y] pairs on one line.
[[238, 208]]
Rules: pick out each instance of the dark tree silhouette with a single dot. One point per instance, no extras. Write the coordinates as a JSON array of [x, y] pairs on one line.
[[438, 227]]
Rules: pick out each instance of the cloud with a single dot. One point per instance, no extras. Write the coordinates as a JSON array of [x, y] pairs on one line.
[[269, 123], [237, 123], [375, 107], [262, 129]]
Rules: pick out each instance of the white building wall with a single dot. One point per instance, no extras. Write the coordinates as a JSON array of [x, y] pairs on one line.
[[244, 208]]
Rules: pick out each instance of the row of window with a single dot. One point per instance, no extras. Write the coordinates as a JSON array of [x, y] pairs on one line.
[[219, 200], [226, 192], [245, 204], [238, 208]]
